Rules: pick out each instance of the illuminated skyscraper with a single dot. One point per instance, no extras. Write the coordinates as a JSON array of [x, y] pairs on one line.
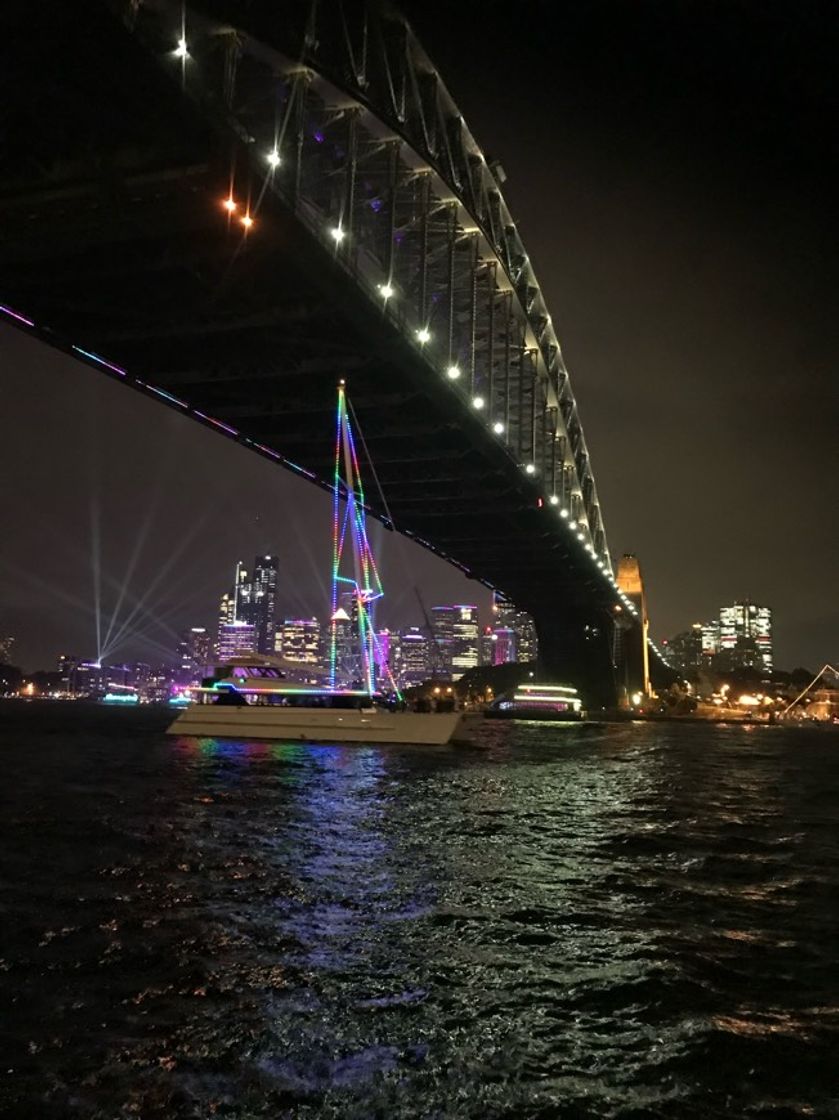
[[412, 666], [262, 610], [253, 601], [235, 638], [710, 640], [299, 640], [684, 651], [745, 636], [387, 655], [193, 655], [504, 646], [347, 653], [226, 614], [456, 633], [523, 646]]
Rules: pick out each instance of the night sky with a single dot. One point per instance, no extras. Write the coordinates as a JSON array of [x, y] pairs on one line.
[[672, 168]]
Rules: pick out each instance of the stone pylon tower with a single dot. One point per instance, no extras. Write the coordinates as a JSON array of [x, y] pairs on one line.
[[634, 656]]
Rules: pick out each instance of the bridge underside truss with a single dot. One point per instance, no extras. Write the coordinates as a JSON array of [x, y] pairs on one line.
[[364, 236]]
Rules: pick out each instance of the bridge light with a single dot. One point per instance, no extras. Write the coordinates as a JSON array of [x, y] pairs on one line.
[[478, 402], [564, 512], [572, 524], [181, 51], [273, 158], [386, 291], [337, 234], [554, 500], [498, 428], [530, 468], [229, 204], [453, 372], [246, 220], [424, 335], [580, 537]]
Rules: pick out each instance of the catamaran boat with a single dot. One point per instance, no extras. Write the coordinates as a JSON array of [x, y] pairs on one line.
[[255, 696]]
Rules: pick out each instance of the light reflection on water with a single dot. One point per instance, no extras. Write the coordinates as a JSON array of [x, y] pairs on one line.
[[631, 921]]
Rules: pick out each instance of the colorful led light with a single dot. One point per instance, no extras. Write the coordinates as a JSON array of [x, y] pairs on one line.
[[166, 396], [102, 362], [20, 318], [216, 423], [350, 527]]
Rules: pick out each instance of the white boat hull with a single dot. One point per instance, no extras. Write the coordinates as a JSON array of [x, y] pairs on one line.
[[316, 725]]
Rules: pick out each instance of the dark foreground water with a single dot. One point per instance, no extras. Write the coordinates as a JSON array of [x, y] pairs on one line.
[[633, 921]]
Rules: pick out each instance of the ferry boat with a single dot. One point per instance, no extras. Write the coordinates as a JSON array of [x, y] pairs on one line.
[[255, 697], [552, 702]]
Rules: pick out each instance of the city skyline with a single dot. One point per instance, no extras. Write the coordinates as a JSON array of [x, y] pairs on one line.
[[694, 299]]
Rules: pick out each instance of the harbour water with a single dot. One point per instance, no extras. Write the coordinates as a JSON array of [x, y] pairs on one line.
[[631, 921]]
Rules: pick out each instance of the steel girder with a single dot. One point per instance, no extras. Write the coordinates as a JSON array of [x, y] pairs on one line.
[[131, 258], [372, 143]]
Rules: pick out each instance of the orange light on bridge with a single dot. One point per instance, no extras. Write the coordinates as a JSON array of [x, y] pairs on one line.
[[247, 221], [229, 204]]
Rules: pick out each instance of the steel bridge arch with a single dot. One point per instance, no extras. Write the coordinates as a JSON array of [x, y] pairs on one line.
[[371, 144], [317, 120]]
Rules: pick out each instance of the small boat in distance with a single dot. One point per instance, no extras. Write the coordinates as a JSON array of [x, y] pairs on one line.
[[551, 702], [254, 696]]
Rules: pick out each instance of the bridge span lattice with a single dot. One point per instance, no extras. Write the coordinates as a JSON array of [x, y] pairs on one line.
[[231, 207]]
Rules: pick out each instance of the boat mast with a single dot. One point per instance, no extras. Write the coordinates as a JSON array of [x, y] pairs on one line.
[[364, 583]]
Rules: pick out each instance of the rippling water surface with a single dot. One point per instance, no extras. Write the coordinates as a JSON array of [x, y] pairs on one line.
[[627, 921]]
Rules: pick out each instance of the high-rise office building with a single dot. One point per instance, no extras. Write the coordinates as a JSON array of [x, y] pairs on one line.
[[261, 609], [710, 640], [745, 636], [193, 655], [298, 640], [486, 646], [683, 652], [235, 638], [508, 617], [226, 616], [387, 653], [504, 646], [465, 632], [456, 632], [412, 667], [253, 600], [343, 639]]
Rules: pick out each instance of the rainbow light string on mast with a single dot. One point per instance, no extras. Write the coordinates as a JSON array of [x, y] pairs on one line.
[[350, 526]]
